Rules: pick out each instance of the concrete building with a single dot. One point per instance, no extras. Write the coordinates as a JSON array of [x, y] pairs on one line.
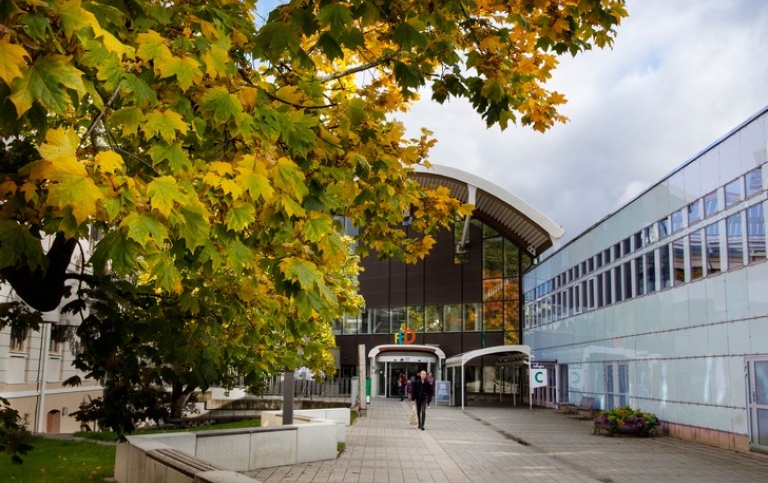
[[663, 304]]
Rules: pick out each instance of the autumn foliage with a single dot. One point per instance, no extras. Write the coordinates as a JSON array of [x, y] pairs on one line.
[[213, 144]]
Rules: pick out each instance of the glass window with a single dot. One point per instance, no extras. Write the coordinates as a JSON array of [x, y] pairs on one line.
[[734, 241], [18, 340], [452, 317], [607, 256], [665, 268], [493, 258], [493, 315], [461, 252], [754, 182], [677, 221], [590, 303], [626, 247], [599, 260], [365, 322], [599, 290], [58, 336], [512, 288], [695, 254], [493, 289], [399, 317], [380, 321], [627, 282], [473, 318], [712, 237], [576, 300], [664, 228], [434, 318], [694, 212], [617, 279], [639, 276], [733, 192], [638, 238], [590, 265], [512, 317], [617, 251], [678, 261], [650, 272], [710, 204], [755, 233], [511, 259], [571, 305], [607, 285], [416, 318]]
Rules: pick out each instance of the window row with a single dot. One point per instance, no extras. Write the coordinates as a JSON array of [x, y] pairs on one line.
[[727, 244], [471, 317], [736, 191], [59, 334]]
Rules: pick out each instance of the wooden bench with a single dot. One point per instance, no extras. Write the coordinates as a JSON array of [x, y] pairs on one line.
[[586, 405]]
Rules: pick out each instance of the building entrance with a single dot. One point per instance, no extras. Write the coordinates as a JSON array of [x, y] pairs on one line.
[[757, 404], [387, 362], [397, 368]]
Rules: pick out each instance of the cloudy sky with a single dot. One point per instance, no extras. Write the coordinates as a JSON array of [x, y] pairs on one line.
[[681, 74]]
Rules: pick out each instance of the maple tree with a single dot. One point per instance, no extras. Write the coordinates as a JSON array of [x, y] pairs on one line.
[[213, 146]]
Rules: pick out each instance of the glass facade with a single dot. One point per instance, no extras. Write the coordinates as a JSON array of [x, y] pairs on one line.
[[688, 300], [497, 308]]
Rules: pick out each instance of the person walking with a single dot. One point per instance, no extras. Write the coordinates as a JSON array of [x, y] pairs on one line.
[[431, 381], [422, 391], [401, 382]]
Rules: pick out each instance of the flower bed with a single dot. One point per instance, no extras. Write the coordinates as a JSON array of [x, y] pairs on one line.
[[626, 421]]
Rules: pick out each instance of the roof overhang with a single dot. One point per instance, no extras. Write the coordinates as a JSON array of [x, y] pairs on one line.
[[407, 348], [459, 360], [501, 210]]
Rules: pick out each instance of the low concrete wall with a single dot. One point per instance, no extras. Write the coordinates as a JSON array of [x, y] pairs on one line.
[[186, 457], [340, 416]]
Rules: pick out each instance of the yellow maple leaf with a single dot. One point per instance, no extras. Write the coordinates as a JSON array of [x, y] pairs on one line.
[[11, 60], [58, 156], [109, 162]]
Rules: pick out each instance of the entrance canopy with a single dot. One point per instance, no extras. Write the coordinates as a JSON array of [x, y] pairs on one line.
[[459, 360], [507, 354], [407, 348]]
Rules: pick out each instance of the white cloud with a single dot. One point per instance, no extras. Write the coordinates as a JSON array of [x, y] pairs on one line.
[[681, 74]]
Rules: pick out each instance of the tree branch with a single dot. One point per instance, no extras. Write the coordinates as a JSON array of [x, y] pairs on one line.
[[360, 68]]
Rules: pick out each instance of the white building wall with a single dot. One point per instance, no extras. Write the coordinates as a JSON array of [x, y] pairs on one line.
[[684, 347]]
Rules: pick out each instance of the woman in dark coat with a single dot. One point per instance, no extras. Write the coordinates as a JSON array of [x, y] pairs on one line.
[[422, 392]]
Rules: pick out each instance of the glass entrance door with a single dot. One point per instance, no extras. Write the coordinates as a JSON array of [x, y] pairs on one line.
[[757, 398], [397, 368]]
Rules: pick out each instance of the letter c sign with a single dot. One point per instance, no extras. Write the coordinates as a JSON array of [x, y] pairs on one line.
[[538, 378]]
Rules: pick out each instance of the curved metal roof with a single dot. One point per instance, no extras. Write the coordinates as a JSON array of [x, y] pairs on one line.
[[406, 348], [501, 210], [459, 360]]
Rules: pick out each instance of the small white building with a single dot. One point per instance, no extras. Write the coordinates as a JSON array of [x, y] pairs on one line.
[[663, 305], [34, 365]]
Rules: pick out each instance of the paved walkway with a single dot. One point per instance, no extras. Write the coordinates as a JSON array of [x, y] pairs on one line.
[[511, 445]]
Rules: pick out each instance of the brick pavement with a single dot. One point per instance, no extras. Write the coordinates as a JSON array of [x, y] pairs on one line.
[[511, 445]]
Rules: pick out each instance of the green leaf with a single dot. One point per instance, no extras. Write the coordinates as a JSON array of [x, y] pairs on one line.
[[334, 14], [301, 271], [143, 92], [330, 46], [317, 227], [165, 124], [186, 69], [240, 215], [75, 18], [37, 26], [239, 256], [123, 252], [18, 245], [79, 193], [408, 37], [164, 194], [174, 153], [165, 272], [128, 117], [407, 77], [152, 47], [144, 229], [192, 227], [47, 82], [219, 104]]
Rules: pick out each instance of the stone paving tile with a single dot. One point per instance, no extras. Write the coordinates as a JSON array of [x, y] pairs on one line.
[[511, 445]]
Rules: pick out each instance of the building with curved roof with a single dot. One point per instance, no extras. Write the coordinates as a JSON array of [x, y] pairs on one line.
[[464, 296]]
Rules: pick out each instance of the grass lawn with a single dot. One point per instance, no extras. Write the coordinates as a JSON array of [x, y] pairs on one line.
[[60, 460], [78, 461]]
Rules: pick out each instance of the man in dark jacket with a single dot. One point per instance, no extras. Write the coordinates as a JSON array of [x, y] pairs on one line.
[[422, 391]]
